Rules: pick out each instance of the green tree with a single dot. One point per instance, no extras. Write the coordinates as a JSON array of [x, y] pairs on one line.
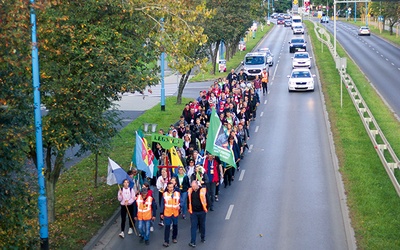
[[390, 10], [90, 52], [17, 198], [179, 34]]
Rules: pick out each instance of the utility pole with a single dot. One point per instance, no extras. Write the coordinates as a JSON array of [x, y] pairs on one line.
[[162, 59], [42, 200]]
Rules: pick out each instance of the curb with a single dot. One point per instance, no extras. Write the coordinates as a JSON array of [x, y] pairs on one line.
[[102, 231]]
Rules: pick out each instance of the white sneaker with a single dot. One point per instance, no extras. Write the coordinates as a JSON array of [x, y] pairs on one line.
[[130, 231], [122, 235], [151, 229]]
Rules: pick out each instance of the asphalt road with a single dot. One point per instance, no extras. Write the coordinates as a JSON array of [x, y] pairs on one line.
[[286, 194], [378, 59]]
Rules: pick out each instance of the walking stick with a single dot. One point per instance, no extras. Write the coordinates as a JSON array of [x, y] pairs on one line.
[[130, 217]]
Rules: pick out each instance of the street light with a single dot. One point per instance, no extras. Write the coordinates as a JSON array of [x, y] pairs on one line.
[[42, 199], [162, 70]]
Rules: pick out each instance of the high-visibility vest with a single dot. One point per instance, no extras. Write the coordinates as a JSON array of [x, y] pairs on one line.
[[203, 199], [144, 208], [264, 77], [171, 203]]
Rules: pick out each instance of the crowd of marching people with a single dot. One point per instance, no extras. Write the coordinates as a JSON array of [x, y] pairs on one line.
[[192, 189]]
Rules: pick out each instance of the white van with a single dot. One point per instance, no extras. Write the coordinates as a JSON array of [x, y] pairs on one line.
[[296, 21]]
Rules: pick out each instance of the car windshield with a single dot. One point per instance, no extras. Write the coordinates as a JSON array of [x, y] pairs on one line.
[[298, 27], [301, 74], [301, 56], [296, 21], [254, 60], [297, 40]]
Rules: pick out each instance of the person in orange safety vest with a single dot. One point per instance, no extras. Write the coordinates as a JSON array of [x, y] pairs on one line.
[[170, 206], [198, 201], [144, 211]]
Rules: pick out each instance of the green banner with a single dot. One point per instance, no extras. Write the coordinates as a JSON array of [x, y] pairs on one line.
[[167, 142]]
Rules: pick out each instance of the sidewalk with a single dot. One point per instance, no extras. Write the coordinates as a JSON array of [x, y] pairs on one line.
[[150, 97]]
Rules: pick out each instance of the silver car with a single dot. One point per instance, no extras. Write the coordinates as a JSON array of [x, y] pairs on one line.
[[301, 80], [268, 53], [364, 31], [298, 29], [301, 59]]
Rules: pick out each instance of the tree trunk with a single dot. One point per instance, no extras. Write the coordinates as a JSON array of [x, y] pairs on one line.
[[227, 51], [181, 87], [51, 178], [214, 57], [96, 168], [51, 200]]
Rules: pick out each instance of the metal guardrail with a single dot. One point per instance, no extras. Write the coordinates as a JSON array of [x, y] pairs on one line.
[[375, 134]]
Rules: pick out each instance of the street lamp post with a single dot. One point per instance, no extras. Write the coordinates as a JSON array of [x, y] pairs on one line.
[[162, 59], [42, 200]]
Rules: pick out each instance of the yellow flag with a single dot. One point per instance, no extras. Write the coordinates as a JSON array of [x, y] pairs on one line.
[[175, 159]]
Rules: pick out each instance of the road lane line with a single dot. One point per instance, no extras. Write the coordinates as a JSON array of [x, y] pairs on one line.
[[255, 131], [229, 213], [250, 148], [265, 102], [262, 113], [241, 175]]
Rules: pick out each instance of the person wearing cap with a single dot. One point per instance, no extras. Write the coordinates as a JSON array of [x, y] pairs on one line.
[[183, 184], [144, 211]]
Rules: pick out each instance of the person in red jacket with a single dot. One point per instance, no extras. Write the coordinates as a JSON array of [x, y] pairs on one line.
[[213, 169]]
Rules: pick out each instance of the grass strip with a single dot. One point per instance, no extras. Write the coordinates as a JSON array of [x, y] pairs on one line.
[[373, 202], [235, 60], [81, 209]]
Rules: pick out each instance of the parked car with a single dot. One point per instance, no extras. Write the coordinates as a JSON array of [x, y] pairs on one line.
[[301, 59], [288, 23], [298, 29], [280, 20], [242, 45], [297, 44], [364, 31], [324, 19], [301, 80], [268, 53]]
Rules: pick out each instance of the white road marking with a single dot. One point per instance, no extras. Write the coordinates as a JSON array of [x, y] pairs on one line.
[[229, 213], [262, 113], [241, 175], [393, 64], [265, 102], [255, 131], [250, 148]]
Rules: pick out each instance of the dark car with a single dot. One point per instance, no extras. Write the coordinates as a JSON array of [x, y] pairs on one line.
[[288, 23], [297, 44], [281, 20]]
